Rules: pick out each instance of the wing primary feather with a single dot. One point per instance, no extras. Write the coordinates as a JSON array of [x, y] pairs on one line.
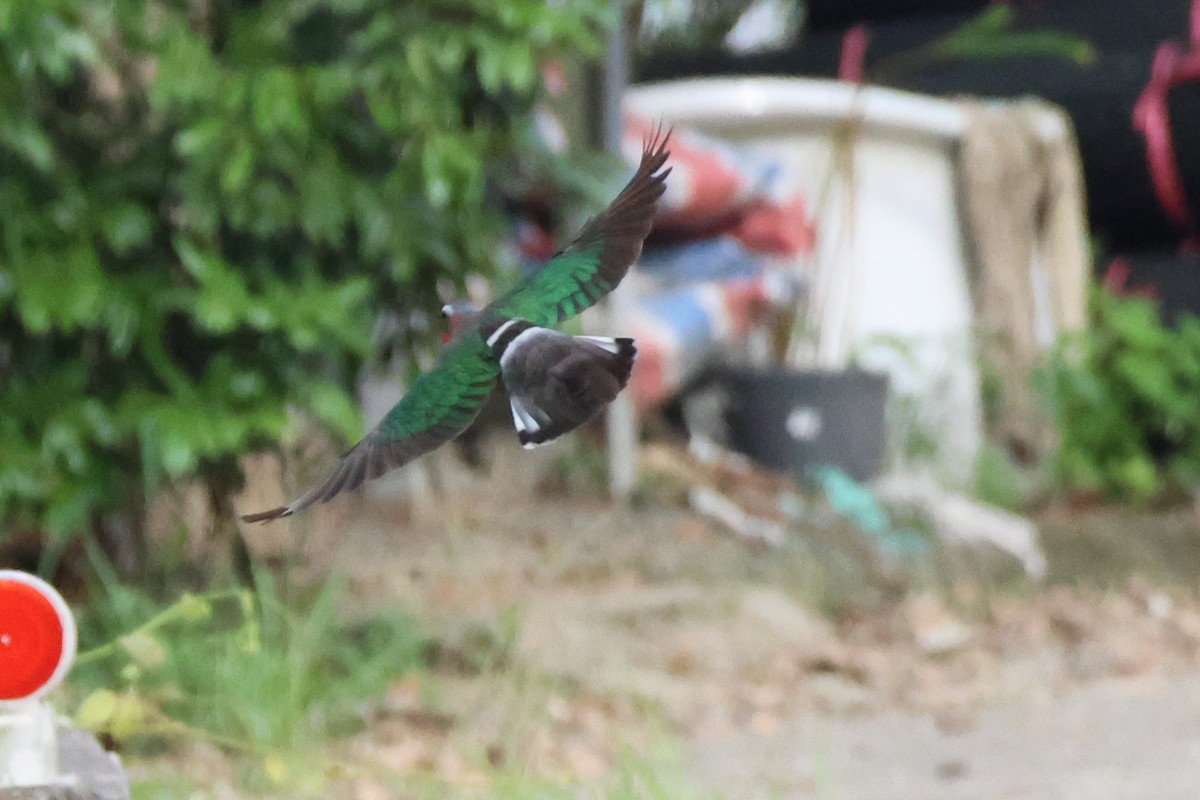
[[378, 463], [267, 516], [354, 477]]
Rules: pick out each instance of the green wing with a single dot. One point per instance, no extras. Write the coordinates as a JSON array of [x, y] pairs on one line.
[[596, 261], [438, 407]]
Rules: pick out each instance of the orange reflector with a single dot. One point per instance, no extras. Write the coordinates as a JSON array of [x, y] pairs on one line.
[[37, 636]]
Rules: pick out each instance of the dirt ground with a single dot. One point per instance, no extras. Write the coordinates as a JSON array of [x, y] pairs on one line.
[[570, 632]]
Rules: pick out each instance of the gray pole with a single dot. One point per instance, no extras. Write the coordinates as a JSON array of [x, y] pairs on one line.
[[622, 420]]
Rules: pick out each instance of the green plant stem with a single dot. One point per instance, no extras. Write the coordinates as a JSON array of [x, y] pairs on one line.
[[164, 617]]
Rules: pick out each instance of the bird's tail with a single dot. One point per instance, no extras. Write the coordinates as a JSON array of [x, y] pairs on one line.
[[624, 353], [584, 381]]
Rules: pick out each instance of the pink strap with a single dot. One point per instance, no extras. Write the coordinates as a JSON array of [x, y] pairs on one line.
[[1116, 281], [852, 65], [1116, 277], [1151, 116]]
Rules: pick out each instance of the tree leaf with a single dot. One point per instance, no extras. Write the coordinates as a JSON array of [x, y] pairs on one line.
[[145, 650], [96, 711]]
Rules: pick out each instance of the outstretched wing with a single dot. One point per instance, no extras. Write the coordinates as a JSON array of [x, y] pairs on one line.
[[438, 407], [596, 261]]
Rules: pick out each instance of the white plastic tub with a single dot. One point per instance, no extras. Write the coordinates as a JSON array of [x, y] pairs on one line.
[[889, 273]]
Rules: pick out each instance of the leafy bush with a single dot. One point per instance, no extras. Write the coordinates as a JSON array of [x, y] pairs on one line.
[[1125, 397], [207, 205]]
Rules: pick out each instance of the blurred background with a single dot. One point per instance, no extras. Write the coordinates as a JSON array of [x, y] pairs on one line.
[[900, 501]]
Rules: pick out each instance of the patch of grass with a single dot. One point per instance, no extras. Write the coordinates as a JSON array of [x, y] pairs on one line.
[[1105, 545], [269, 671], [998, 480], [635, 776], [164, 789], [581, 471]]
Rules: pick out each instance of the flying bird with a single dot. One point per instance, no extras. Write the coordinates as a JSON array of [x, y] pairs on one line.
[[555, 382]]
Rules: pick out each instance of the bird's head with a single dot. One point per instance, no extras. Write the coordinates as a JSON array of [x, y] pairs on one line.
[[458, 315]]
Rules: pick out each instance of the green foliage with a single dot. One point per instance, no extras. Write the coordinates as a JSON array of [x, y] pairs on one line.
[[992, 35], [1125, 398], [207, 205], [635, 777], [999, 481], [264, 672]]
